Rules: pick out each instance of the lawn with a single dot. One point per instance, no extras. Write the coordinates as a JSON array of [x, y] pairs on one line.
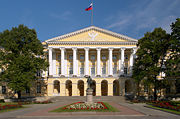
[[163, 109], [108, 108]]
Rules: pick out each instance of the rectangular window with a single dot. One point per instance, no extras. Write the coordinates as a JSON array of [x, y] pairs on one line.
[[104, 70], [114, 57], [59, 69], [70, 70], [81, 71], [125, 70], [92, 57], [39, 73], [70, 57], [81, 57], [126, 57], [27, 90], [103, 57], [38, 88], [3, 89], [145, 88], [59, 57], [115, 69], [93, 71]]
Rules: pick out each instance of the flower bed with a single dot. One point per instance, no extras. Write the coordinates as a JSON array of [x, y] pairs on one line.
[[86, 106], [83, 107], [166, 105], [10, 106]]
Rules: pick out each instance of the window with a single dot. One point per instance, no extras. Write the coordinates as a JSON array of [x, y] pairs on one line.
[[125, 70], [92, 57], [27, 90], [70, 70], [81, 57], [115, 69], [59, 69], [103, 57], [38, 87], [3, 89], [81, 70], [126, 57], [70, 57], [104, 70], [93, 71], [59, 57], [114, 57], [145, 88], [38, 73]]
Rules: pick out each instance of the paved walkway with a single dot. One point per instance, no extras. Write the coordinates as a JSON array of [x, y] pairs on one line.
[[127, 111]]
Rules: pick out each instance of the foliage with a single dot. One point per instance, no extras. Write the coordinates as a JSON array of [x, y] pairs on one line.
[[173, 61], [21, 56], [152, 49]]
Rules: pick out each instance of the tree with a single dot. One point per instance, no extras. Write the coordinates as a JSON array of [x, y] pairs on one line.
[[173, 60], [21, 56], [152, 49]]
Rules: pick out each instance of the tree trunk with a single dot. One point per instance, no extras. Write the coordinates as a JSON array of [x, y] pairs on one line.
[[155, 91], [19, 94]]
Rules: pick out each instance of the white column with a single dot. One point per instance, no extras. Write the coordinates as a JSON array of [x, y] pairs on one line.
[[132, 59], [110, 62], [50, 61], [54, 62], [75, 61], [122, 60], [86, 61], [98, 61], [119, 61], [62, 62]]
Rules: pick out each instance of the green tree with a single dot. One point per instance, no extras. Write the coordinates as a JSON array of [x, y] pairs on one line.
[[152, 49], [21, 56], [173, 60]]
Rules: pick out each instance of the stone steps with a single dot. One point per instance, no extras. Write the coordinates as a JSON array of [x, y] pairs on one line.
[[83, 98]]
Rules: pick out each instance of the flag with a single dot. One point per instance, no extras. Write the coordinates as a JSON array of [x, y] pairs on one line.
[[90, 7]]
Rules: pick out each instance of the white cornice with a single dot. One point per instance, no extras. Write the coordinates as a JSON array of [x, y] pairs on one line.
[[92, 28], [90, 43]]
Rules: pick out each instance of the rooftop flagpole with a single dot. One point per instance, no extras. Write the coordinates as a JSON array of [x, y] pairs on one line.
[[92, 13]]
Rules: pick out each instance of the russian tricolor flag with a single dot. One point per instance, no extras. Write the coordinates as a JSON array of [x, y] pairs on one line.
[[90, 7]]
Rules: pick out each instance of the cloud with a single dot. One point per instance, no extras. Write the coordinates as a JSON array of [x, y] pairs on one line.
[[62, 16], [145, 16]]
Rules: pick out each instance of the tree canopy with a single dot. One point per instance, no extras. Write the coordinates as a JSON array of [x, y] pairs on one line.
[[21, 56], [173, 61], [152, 49]]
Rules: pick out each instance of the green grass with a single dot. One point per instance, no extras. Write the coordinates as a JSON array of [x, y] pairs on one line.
[[163, 109], [9, 103], [110, 109], [7, 110]]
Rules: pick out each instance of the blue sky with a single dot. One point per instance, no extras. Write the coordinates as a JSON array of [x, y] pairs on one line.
[[53, 18]]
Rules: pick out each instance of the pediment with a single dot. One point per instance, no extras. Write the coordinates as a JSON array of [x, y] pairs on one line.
[[92, 34]]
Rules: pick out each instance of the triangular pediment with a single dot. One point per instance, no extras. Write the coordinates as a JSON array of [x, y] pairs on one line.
[[92, 34]]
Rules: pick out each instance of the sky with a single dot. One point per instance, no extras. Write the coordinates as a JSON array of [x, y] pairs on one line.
[[52, 18]]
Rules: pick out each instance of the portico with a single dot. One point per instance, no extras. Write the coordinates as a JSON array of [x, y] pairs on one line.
[[104, 55]]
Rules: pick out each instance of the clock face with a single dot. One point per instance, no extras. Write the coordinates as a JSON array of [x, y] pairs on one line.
[[93, 35]]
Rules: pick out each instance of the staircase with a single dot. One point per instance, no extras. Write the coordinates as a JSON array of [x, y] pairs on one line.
[[83, 99]]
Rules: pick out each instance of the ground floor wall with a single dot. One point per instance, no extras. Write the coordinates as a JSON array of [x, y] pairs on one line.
[[101, 86]]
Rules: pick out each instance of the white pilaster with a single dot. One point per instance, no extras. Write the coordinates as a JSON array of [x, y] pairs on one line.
[[62, 62], [110, 62], [50, 61], [98, 61], [86, 61], [75, 62], [122, 61]]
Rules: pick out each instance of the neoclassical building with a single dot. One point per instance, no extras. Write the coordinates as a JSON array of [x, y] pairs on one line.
[[104, 55]]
